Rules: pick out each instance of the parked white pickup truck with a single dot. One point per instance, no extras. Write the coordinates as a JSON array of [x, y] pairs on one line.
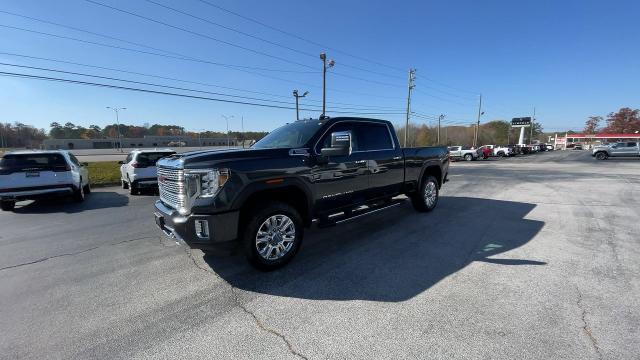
[[462, 152], [32, 175]]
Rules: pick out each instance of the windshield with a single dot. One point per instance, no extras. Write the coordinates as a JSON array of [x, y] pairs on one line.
[[150, 159], [292, 135]]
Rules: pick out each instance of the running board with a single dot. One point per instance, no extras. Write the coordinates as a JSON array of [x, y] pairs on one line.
[[363, 210]]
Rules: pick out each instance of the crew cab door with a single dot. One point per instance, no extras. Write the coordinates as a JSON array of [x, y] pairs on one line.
[[339, 181], [384, 159]]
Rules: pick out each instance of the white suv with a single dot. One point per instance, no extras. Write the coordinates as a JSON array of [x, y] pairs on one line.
[[139, 169], [32, 175]]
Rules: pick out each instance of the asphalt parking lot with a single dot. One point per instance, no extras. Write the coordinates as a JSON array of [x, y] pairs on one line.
[[529, 258]]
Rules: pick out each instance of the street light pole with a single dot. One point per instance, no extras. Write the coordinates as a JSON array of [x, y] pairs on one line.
[[116, 110], [323, 57], [226, 118], [295, 94]]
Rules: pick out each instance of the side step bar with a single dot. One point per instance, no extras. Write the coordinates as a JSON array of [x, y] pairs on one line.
[[339, 218]]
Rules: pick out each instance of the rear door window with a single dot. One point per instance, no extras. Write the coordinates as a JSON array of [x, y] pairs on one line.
[[373, 137], [150, 159], [11, 163]]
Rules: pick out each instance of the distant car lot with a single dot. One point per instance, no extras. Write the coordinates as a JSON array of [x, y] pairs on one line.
[[544, 267]]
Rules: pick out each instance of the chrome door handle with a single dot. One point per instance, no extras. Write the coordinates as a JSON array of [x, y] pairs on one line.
[[397, 157], [361, 162]]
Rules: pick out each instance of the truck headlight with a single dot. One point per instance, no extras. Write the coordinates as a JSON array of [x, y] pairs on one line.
[[207, 181], [212, 181]]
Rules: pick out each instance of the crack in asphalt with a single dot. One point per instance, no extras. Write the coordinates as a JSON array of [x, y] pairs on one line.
[[259, 323], [72, 253], [265, 328], [585, 325]]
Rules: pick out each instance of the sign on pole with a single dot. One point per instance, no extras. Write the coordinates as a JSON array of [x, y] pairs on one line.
[[521, 122]]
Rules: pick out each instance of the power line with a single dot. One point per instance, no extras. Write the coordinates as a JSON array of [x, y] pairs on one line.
[[179, 57], [110, 86], [228, 43], [300, 37], [354, 106]]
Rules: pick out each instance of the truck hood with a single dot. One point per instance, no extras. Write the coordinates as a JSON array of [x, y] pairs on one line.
[[207, 158]]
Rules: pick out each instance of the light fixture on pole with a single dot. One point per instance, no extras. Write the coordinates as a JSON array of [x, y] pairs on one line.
[[117, 110], [325, 66], [295, 94]]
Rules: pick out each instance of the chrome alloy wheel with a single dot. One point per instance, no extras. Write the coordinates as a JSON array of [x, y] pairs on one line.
[[430, 194], [275, 237]]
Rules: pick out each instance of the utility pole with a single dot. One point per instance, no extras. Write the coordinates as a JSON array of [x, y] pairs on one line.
[[325, 65], [533, 119], [439, 120], [116, 110], [477, 132], [412, 77], [295, 94]]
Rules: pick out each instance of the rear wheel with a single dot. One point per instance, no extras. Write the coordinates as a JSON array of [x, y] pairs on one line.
[[125, 185], [427, 196], [501, 153], [78, 194], [133, 187], [7, 205], [87, 188], [272, 236], [601, 156]]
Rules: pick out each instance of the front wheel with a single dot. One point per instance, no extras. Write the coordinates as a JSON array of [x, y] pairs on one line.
[[601, 156], [468, 157], [272, 236], [427, 196], [7, 205]]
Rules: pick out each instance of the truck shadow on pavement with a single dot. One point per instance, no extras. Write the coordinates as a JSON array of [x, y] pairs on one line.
[[392, 255], [93, 201]]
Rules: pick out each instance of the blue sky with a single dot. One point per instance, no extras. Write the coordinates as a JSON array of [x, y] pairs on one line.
[[570, 59]]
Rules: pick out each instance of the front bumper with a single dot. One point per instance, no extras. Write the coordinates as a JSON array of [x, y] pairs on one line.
[[37, 193], [223, 227]]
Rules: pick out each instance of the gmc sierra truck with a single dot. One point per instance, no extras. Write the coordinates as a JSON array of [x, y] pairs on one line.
[[262, 198], [621, 149]]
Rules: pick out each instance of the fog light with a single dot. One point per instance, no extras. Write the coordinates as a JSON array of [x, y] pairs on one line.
[[202, 229]]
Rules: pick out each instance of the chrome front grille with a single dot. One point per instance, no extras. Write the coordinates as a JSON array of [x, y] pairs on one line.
[[171, 185]]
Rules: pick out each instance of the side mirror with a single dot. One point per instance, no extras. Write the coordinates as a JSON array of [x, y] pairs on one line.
[[121, 162], [340, 144]]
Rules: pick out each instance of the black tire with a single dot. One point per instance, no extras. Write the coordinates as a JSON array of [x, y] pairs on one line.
[[78, 194], [133, 187], [601, 155], [420, 201], [501, 154], [257, 219], [87, 189], [468, 157], [125, 185], [7, 205]]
